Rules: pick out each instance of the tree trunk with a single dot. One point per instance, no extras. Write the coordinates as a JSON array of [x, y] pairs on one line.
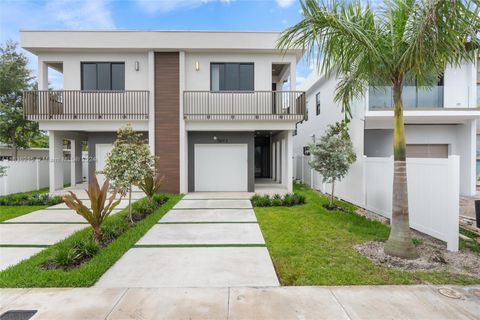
[[399, 243], [97, 234], [331, 196], [130, 204]]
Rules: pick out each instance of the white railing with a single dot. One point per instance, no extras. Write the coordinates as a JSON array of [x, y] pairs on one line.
[[433, 191]]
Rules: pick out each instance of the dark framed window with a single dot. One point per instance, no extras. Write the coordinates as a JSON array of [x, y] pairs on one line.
[[103, 75], [231, 76], [317, 103]]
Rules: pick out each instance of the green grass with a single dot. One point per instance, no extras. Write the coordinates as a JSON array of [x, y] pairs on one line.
[[310, 245], [29, 193], [28, 273], [10, 212], [472, 245]]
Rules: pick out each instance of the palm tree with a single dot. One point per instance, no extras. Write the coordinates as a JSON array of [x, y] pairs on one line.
[[385, 45]]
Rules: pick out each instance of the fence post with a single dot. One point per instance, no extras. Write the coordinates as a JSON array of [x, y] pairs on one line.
[[37, 167]]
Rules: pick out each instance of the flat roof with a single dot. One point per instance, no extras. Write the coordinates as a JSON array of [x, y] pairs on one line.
[[37, 41]]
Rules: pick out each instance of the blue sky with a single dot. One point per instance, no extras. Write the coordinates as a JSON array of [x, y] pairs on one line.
[[270, 15]]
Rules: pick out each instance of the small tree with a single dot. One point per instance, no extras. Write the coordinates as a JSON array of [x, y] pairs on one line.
[[15, 77], [333, 155], [128, 163]]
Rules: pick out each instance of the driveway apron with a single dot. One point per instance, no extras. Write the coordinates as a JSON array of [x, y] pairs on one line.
[[204, 241]]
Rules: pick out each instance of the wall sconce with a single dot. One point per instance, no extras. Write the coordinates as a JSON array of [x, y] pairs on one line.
[[137, 65], [197, 65]]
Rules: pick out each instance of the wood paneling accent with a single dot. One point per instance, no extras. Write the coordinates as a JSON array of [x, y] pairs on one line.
[[167, 107]]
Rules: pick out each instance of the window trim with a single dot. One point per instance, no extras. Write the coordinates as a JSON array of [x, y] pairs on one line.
[[238, 63], [96, 70], [317, 103]]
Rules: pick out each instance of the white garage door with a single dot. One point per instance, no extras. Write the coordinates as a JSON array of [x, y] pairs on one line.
[[221, 167]]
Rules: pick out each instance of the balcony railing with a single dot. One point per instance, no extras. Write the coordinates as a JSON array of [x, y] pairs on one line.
[[75, 104], [244, 105], [413, 97]]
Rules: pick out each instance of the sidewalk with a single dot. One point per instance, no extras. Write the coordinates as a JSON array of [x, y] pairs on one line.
[[359, 302]]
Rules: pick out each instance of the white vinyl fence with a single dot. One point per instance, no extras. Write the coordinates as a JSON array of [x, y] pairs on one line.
[[433, 191], [24, 176]]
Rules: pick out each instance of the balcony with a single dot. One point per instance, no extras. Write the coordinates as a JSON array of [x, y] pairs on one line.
[[413, 97], [85, 105], [244, 105]]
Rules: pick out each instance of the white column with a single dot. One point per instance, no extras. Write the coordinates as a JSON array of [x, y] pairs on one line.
[[183, 154], [55, 150], [151, 101], [293, 76], [42, 75], [75, 161], [468, 133], [289, 162]]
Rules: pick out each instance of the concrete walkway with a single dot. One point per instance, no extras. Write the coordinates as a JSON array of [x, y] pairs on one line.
[[206, 240], [26, 235], [280, 303]]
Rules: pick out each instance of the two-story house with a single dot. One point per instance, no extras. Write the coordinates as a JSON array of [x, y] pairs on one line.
[[212, 104], [439, 121]]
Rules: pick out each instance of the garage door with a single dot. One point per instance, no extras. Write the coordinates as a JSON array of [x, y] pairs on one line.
[[427, 150], [221, 167]]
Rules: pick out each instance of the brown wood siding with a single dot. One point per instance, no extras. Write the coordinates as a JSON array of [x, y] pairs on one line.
[[167, 104]]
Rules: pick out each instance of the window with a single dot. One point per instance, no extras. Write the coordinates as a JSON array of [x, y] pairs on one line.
[[231, 77], [103, 76], [317, 103]]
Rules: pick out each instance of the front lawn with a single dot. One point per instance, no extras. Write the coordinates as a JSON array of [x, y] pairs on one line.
[[29, 273], [10, 212], [310, 245]]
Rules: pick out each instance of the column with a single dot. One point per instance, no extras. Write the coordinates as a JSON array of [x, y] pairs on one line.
[[55, 150], [75, 161], [289, 165]]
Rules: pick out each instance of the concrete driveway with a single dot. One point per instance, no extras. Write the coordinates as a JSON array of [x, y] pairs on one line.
[[206, 240]]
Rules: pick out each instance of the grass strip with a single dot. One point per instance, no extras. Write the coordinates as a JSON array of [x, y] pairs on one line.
[[311, 245], [198, 245], [28, 273], [24, 245], [206, 222]]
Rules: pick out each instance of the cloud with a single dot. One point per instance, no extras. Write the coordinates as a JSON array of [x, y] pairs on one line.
[[284, 3], [81, 14], [300, 79], [154, 6]]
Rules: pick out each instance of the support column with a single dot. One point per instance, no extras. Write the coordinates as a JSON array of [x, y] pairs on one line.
[[289, 162], [75, 161], [42, 75], [468, 176], [55, 150], [151, 101]]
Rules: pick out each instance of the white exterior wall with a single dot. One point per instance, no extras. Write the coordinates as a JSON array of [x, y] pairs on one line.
[[200, 80], [460, 86], [134, 80]]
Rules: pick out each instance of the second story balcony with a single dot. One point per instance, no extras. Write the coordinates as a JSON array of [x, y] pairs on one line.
[[85, 105], [413, 97], [244, 105]]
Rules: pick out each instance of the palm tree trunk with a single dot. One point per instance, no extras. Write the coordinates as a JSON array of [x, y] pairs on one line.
[[399, 243]]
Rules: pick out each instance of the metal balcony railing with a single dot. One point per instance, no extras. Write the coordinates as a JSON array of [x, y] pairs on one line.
[[244, 105], [76, 104], [413, 97]]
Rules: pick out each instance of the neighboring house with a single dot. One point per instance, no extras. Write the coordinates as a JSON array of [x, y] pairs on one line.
[[27, 154], [210, 103], [439, 121]]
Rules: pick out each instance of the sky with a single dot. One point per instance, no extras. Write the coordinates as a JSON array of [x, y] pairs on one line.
[[261, 15]]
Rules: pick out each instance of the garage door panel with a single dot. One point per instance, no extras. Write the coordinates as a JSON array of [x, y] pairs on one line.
[[221, 167]]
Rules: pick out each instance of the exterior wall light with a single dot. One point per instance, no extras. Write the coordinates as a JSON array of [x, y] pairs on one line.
[[197, 65], [137, 65]]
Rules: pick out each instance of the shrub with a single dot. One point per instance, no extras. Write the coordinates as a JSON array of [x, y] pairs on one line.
[[276, 200], [86, 248], [99, 211], [288, 200], [113, 229], [63, 257], [159, 198], [151, 184], [144, 207], [22, 199]]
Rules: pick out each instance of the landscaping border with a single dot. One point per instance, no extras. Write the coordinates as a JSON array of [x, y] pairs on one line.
[[28, 273]]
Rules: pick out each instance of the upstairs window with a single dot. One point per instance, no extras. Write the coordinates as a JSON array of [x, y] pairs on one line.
[[231, 77], [317, 103], [103, 76]]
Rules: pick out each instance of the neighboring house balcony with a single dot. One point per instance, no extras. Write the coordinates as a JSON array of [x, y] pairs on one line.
[[86, 105], [244, 105], [413, 97]]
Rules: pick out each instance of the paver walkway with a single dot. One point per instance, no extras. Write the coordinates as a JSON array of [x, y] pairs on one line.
[[25, 236], [206, 240], [279, 303]]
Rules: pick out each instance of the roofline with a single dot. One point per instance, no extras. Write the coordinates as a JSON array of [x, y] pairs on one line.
[[148, 30]]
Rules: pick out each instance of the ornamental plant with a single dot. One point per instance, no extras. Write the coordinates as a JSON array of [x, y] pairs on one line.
[[151, 184], [100, 208], [333, 155], [128, 163]]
